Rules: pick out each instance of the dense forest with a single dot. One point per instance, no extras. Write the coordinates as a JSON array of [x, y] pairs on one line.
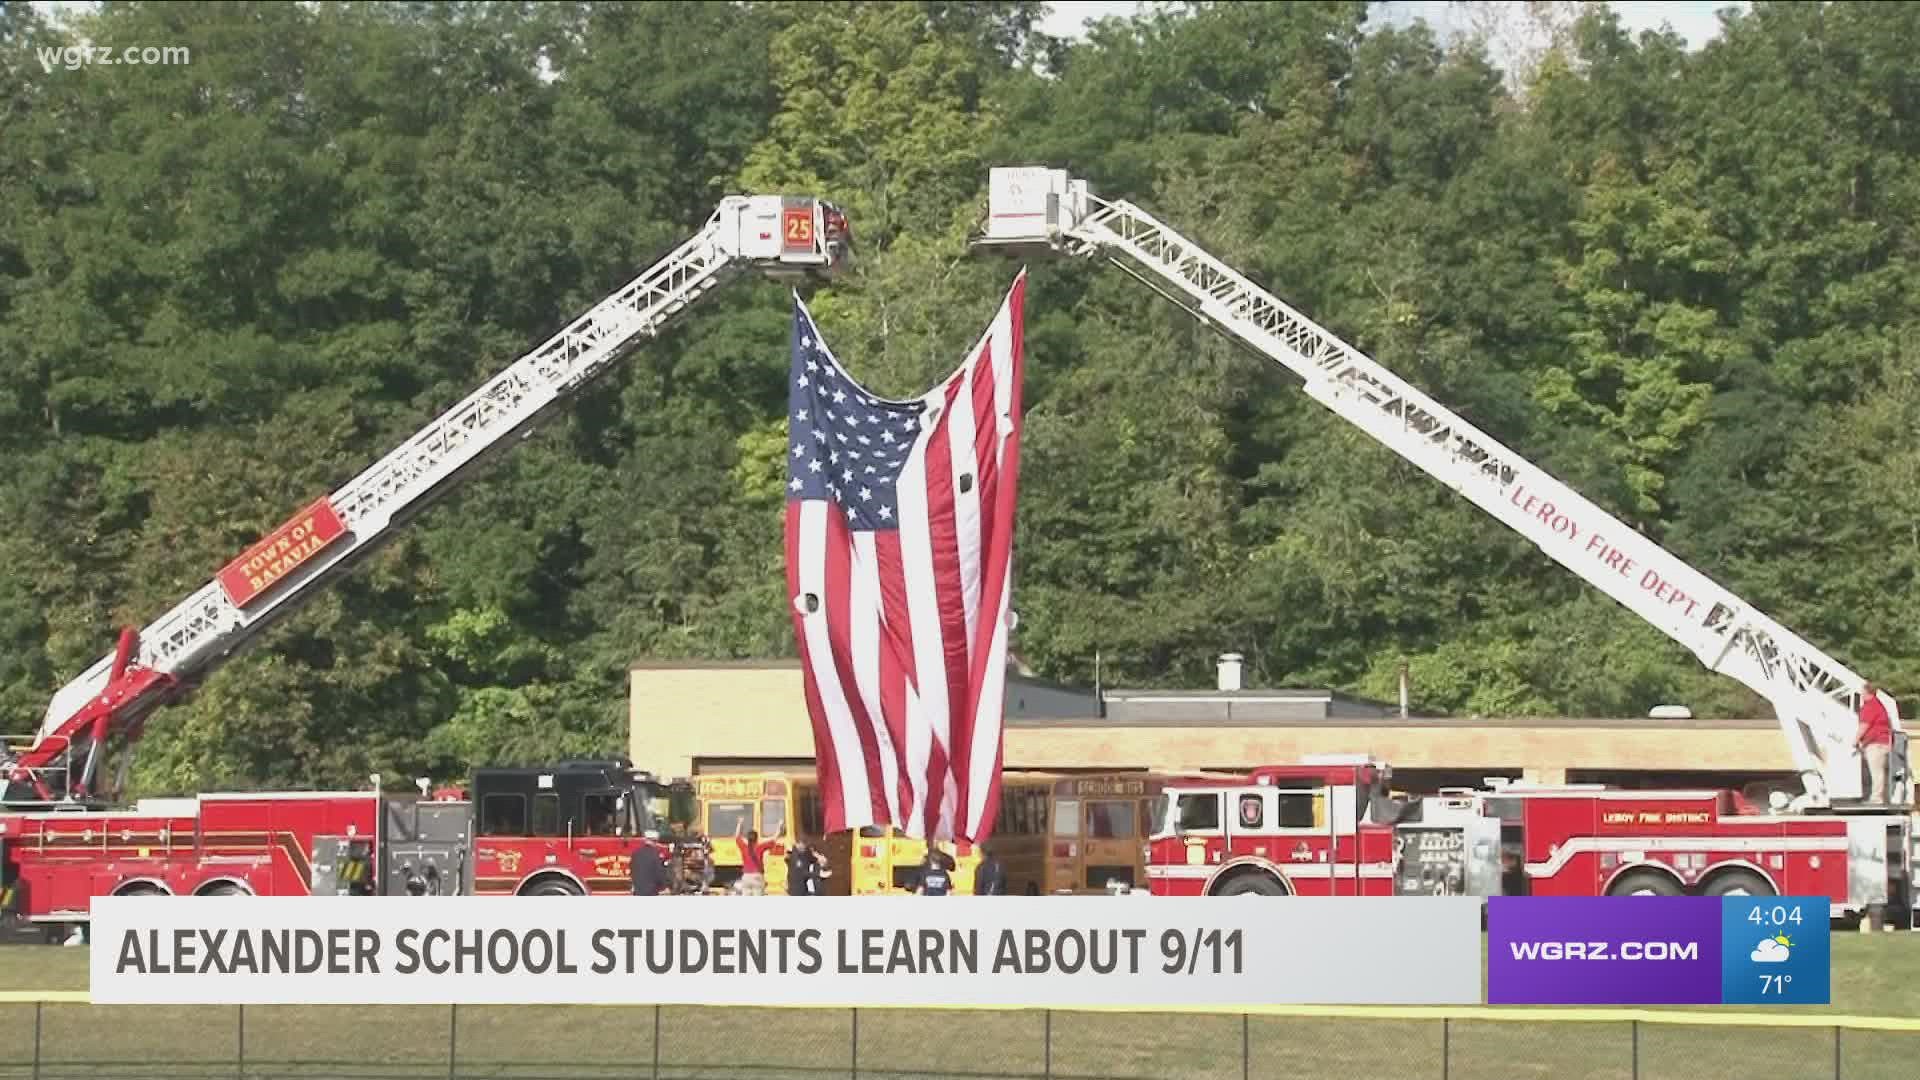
[[1684, 282]]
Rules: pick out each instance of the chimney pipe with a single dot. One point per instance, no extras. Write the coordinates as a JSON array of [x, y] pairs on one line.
[[1403, 689], [1099, 691], [1229, 669]]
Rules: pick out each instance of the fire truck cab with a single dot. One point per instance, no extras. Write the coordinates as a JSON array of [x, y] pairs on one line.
[[1329, 826], [562, 830]]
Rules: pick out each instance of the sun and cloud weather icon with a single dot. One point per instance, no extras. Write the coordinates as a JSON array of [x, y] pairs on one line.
[[1773, 950]]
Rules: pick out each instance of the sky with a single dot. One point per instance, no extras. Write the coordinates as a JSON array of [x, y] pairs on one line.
[[1692, 20]]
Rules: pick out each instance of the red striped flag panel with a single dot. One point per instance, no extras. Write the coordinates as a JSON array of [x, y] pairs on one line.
[[899, 562]]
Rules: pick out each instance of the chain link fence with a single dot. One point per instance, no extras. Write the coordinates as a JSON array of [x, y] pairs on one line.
[[63, 1041]]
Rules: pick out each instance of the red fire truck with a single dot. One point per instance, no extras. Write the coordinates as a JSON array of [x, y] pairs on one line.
[[554, 830], [1329, 827], [1586, 840], [563, 830], [1321, 828]]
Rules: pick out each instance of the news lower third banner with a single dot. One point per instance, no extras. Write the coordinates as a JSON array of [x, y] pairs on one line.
[[1042, 951], [1659, 950]]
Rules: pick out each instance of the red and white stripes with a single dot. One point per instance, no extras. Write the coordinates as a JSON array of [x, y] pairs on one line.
[[902, 617]]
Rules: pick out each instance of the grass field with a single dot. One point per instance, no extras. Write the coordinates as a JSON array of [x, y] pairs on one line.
[[1876, 975]]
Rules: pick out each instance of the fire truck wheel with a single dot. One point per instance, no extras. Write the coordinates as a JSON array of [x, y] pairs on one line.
[[1644, 883], [142, 888], [553, 886], [1254, 883], [1738, 883]]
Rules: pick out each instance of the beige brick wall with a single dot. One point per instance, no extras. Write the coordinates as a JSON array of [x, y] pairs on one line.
[[757, 712], [1544, 755], [742, 711]]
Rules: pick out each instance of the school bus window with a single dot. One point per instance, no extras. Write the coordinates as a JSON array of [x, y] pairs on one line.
[[546, 814], [728, 818], [1199, 813], [505, 815], [1109, 820], [1033, 807], [1296, 809], [1066, 817], [773, 817]]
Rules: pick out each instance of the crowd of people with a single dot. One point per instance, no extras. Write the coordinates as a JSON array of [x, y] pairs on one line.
[[652, 873]]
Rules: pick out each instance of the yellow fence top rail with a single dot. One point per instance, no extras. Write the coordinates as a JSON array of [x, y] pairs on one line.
[[1497, 1014]]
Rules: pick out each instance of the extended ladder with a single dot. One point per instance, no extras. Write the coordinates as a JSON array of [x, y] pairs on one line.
[[784, 236], [1813, 695]]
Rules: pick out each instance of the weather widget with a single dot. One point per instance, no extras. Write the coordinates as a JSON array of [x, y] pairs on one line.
[[1775, 950]]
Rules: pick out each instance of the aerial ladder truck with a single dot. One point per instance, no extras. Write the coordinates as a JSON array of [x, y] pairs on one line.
[[1815, 698], [785, 237], [103, 710]]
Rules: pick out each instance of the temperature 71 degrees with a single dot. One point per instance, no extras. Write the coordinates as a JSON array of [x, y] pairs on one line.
[[1775, 984]]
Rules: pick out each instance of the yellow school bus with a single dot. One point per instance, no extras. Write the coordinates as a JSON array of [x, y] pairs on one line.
[[886, 862], [871, 861], [840, 849], [1099, 824], [734, 803], [1019, 838], [874, 861], [889, 864], [782, 807]]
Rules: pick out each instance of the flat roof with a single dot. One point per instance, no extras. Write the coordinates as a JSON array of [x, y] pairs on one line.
[[1279, 694], [1040, 703], [1614, 723]]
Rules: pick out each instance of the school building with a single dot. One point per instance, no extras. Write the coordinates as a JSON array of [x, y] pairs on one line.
[[699, 717]]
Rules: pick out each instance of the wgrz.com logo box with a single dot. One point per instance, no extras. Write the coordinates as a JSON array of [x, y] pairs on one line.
[[1658, 950]]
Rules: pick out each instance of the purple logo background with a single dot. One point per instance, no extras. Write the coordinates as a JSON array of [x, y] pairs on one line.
[[1609, 919]]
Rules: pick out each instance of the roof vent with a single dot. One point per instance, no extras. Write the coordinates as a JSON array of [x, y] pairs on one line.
[[1230, 671], [1670, 712]]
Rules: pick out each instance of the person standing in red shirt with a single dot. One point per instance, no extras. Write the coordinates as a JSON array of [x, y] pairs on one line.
[[1874, 741], [753, 862]]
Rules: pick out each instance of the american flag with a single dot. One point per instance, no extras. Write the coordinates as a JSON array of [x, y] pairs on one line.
[[899, 564]]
